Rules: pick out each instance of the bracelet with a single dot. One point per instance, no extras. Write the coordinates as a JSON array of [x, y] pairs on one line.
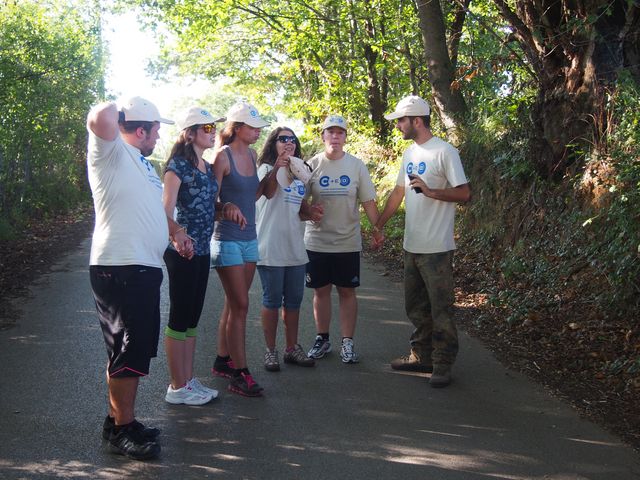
[[222, 209], [171, 237]]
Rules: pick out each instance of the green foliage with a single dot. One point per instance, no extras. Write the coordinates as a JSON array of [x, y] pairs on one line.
[[51, 71], [617, 223]]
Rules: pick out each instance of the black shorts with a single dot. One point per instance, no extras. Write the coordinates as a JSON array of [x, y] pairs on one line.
[[339, 269], [187, 287], [128, 304]]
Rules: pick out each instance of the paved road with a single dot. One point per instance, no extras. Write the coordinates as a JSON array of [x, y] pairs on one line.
[[333, 421]]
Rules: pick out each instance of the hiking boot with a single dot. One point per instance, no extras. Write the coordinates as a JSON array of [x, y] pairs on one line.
[[130, 442], [296, 356], [187, 396], [244, 384], [320, 348], [271, 363], [441, 376], [149, 433], [347, 352], [223, 368], [411, 363], [195, 384]]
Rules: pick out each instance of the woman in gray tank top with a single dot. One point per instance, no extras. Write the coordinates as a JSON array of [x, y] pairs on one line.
[[234, 248]]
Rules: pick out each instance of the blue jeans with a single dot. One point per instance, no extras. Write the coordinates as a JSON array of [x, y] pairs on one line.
[[282, 286]]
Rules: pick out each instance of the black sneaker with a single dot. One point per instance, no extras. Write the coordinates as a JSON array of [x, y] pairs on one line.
[[244, 384], [223, 368], [131, 443], [149, 433]]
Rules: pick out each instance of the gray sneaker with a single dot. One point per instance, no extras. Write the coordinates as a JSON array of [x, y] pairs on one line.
[[271, 362], [441, 376], [320, 348], [347, 353], [298, 357]]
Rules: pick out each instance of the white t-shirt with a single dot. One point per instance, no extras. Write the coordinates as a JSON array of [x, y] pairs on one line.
[[340, 186], [428, 224], [279, 228], [131, 225]]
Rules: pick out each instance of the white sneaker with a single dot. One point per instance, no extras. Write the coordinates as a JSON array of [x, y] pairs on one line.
[[195, 384], [347, 353], [187, 396]]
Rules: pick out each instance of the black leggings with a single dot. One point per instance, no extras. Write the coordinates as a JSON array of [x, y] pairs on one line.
[[187, 287]]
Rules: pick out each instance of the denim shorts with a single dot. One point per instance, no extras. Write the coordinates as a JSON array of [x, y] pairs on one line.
[[227, 253], [282, 286]]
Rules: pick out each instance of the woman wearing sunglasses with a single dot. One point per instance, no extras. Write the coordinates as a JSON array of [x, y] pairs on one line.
[[282, 252], [234, 248], [341, 182], [191, 187]]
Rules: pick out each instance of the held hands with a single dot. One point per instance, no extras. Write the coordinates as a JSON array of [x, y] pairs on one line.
[[316, 212], [183, 244], [377, 238], [232, 213]]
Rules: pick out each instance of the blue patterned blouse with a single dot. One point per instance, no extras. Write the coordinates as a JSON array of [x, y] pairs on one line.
[[195, 202]]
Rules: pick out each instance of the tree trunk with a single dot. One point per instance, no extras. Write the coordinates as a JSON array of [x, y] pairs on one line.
[[575, 49], [447, 99]]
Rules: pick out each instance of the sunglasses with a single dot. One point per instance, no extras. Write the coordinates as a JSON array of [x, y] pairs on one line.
[[286, 139], [208, 128]]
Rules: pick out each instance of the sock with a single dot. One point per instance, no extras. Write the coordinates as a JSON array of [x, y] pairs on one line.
[[325, 336], [224, 359], [118, 428]]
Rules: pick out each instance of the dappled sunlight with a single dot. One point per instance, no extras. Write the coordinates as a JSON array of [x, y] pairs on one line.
[[394, 322], [209, 469], [75, 469], [446, 434], [595, 442]]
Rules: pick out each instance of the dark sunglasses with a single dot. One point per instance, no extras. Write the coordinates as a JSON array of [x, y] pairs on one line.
[[286, 139], [208, 128]]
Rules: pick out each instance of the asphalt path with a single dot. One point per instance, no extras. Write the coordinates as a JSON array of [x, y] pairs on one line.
[[361, 421]]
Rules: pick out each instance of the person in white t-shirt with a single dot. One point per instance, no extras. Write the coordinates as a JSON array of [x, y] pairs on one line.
[[283, 258], [432, 172], [340, 183], [129, 238]]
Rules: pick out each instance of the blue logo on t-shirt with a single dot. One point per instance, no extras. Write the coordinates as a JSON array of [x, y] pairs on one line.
[[411, 168], [343, 181]]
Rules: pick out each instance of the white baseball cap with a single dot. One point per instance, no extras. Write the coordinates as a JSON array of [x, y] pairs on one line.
[[411, 106], [197, 116], [246, 113], [297, 169], [334, 121], [138, 109]]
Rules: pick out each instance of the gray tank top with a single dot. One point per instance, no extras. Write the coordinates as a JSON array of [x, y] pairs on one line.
[[241, 191]]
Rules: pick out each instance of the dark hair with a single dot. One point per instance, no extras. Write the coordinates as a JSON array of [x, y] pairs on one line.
[[269, 153], [184, 147], [228, 134], [132, 126], [426, 119]]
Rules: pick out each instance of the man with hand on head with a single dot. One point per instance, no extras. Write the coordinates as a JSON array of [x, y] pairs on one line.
[[431, 168], [129, 239]]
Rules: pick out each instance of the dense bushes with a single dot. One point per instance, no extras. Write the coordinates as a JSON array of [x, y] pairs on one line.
[[51, 71]]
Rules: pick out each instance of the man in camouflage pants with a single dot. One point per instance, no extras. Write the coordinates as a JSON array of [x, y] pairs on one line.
[[432, 169]]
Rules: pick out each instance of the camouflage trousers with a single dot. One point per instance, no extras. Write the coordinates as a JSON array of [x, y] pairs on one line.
[[428, 299]]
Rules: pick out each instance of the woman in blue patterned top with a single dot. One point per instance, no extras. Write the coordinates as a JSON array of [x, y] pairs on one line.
[[190, 186]]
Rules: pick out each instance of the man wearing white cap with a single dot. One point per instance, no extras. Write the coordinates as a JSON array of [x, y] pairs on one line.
[[130, 236], [431, 168]]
